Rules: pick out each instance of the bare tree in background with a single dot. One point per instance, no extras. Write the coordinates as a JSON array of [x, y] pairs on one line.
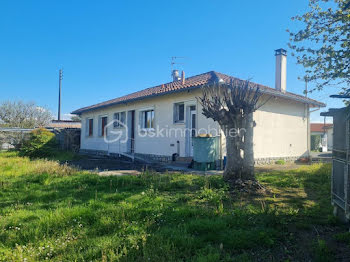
[[76, 118], [23, 115], [232, 106]]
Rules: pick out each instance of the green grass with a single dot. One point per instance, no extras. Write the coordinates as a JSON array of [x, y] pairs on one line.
[[54, 212], [65, 156]]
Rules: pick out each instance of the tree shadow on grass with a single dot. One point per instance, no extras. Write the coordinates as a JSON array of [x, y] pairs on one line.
[[279, 227]]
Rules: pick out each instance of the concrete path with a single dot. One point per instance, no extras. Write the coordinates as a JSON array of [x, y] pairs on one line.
[[119, 173], [118, 167]]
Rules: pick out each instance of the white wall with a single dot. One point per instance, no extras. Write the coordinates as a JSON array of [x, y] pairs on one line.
[[330, 139], [163, 108], [281, 127]]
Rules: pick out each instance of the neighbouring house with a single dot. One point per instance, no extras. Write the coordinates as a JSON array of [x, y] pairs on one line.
[[162, 120], [321, 136], [64, 124], [67, 134]]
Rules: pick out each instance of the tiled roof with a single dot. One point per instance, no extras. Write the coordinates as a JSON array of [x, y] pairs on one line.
[[319, 127], [64, 124], [190, 83]]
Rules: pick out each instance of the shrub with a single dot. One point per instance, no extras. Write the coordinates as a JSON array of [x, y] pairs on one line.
[[343, 237], [280, 162], [41, 143], [322, 252]]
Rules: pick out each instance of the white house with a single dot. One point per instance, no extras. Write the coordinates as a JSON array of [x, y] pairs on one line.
[[325, 132], [161, 120]]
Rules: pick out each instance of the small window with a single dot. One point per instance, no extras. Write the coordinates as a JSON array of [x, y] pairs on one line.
[[103, 123], [179, 112], [90, 127], [119, 119], [147, 119]]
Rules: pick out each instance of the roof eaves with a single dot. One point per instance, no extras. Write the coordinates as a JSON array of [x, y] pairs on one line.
[[214, 76], [293, 97], [82, 110]]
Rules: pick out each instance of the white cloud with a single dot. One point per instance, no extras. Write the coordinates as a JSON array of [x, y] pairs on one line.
[[67, 116]]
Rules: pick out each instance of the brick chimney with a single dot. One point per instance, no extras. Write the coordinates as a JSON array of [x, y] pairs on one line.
[[183, 77]]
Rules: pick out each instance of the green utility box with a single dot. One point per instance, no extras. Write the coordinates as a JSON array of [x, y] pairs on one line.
[[205, 152]]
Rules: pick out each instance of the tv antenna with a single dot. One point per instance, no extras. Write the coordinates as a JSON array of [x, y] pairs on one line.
[[174, 61]]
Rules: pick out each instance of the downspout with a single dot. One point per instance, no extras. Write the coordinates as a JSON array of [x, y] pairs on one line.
[[346, 167], [221, 158]]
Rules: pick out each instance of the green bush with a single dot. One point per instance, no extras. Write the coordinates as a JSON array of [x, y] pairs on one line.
[[41, 143]]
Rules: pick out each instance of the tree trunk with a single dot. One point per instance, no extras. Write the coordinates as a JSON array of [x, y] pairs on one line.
[[234, 161], [248, 160], [238, 167]]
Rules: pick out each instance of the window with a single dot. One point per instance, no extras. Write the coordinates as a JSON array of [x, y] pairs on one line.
[[179, 113], [147, 119], [90, 127], [102, 125], [119, 119]]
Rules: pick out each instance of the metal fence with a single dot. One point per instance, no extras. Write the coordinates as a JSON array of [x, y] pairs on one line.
[[341, 161]]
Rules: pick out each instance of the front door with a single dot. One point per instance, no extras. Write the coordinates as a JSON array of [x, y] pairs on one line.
[[193, 125], [131, 131]]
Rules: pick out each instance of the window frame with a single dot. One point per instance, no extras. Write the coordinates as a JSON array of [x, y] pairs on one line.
[[90, 127], [101, 127], [144, 119], [176, 114], [117, 125]]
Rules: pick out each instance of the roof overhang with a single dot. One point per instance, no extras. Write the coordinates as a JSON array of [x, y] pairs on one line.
[[290, 96], [334, 111], [82, 110], [264, 90]]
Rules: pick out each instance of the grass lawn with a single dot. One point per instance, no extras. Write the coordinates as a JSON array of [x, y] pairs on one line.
[[54, 212]]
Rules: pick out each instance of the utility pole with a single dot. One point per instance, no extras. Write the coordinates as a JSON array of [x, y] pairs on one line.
[[60, 76], [306, 91]]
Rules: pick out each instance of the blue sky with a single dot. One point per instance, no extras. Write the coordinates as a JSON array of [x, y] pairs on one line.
[[111, 48]]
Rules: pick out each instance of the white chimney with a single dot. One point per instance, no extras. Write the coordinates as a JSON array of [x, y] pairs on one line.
[[281, 70], [176, 76]]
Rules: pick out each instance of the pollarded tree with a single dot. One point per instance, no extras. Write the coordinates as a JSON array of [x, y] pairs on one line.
[[232, 105]]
